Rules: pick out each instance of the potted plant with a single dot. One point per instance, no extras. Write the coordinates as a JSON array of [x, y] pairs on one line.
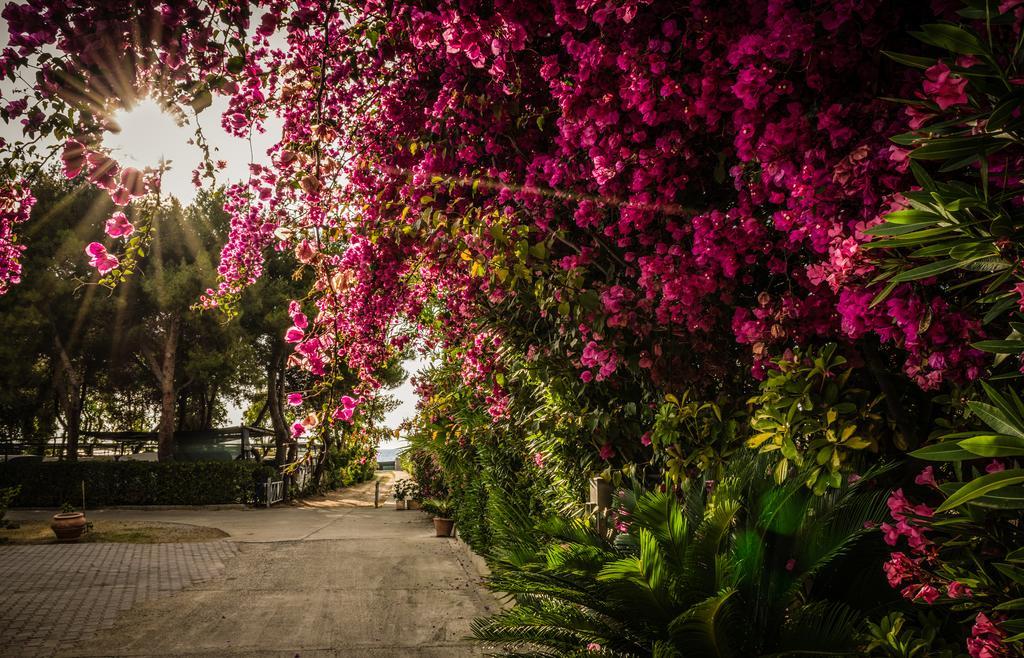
[[442, 510], [404, 490], [67, 524]]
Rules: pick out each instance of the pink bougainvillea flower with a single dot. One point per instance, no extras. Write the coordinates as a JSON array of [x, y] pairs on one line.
[[593, 646], [645, 439], [120, 196], [790, 564], [343, 413], [538, 459], [95, 249], [986, 639], [99, 258], [305, 252], [957, 590], [900, 568], [133, 182], [606, 452], [300, 320], [294, 335], [298, 429], [1019, 289], [118, 226], [995, 466], [943, 87], [925, 593], [295, 399], [587, 376], [73, 158], [311, 184], [347, 402], [926, 477]]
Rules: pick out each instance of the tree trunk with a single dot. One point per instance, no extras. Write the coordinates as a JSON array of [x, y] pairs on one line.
[[275, 404], [209, 400], [71, 396], [165, 435], [163, 371]]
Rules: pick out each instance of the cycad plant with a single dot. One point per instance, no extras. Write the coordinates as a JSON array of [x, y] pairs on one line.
[[737, 568]]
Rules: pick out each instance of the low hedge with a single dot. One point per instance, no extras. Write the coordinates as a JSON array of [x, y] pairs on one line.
[[51, 484]]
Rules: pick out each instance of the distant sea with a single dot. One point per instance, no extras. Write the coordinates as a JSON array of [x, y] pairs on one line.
[[388, 454]]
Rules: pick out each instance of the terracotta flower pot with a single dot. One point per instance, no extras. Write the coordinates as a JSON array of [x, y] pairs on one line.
[[68, 526], [412, 504], [399, 504], [443, 527]]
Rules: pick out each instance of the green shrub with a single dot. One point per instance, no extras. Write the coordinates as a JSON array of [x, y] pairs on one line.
[[424, 467], [344, 467], [7, 494], [51, 484], [439, 507], [731, 568]]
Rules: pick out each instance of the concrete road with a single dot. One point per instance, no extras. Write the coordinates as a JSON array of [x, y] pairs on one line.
[[334, 577]]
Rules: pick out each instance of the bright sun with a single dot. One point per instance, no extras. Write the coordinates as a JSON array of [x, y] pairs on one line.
[[149, 135]]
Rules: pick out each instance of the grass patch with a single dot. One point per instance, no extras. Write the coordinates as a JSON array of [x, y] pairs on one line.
[[118, 532]]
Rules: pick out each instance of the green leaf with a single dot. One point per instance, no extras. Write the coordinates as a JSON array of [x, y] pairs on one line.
[[1000, 346], [1011, 497], [910, 216], [948, 451], [925, 271], [235, 64], [990, 264], [981, 486], [910, 239], [955, 148], [888, 229], [1002, 113], [202, 100], [910, 60], [883, 293], [998, 308], [996, 445], [922, 176], [952, 38], [1014, 573], [995, 418]]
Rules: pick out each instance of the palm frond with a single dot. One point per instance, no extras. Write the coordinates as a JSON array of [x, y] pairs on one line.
[[707, 629]]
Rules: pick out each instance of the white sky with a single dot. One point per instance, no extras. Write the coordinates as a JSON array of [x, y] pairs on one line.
[[149, 135]]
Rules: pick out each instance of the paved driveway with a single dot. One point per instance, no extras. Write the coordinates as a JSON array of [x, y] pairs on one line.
[[56, 596], [333, 578]]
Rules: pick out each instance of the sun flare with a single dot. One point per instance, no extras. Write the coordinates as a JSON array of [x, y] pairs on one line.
[[148, 135]]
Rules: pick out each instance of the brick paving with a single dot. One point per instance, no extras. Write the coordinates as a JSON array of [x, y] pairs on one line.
[[54, 596]]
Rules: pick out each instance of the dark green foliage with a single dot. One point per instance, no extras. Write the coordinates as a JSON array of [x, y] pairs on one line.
[[423, 466], [749, 569], [51, 484]]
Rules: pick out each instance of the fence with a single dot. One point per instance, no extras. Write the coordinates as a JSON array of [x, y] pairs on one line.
[[273, 491]]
